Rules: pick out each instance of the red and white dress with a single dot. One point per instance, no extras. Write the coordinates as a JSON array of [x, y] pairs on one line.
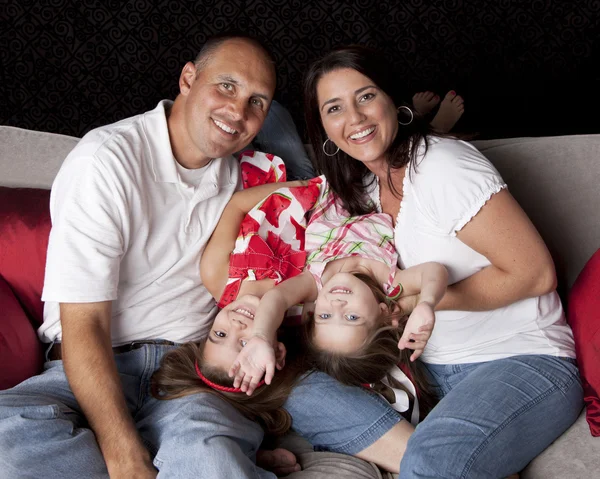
[[270, 243]]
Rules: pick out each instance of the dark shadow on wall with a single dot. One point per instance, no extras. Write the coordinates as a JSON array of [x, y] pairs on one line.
[[524, 68]]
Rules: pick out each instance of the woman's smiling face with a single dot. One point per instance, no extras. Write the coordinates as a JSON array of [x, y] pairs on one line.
[[357, 116]]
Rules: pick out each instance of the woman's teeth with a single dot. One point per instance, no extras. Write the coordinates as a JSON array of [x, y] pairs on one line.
[[362, 134]]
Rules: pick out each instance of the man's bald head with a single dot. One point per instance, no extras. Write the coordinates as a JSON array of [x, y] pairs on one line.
[[214, 43]]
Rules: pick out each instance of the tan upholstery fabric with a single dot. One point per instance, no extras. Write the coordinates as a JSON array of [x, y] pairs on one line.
[[555, 180]]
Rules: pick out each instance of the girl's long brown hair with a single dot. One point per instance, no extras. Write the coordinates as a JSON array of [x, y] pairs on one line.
[[177, 377], [374, 360]]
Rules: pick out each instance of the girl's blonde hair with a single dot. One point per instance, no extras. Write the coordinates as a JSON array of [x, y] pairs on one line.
[[373, 362], [177, 377]]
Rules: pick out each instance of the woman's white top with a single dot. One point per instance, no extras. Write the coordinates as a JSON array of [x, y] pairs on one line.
[[452, 181]]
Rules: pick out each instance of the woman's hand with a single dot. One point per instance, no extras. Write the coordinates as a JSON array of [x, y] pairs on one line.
[[418, 329], [255, 360]]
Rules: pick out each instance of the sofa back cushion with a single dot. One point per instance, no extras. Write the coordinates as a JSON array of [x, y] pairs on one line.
[[24, 232], [31, 158], [555, 180]]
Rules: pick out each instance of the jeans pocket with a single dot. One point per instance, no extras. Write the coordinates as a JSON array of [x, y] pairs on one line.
[[47, 411]]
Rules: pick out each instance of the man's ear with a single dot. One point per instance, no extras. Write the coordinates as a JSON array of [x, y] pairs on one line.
[[187, 77], [280, 353]]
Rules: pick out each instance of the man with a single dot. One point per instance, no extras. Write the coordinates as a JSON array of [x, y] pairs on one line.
[[132, 206]]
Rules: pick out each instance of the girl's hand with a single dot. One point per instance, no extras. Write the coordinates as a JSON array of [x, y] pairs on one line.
[[255, 360], [418, 329]]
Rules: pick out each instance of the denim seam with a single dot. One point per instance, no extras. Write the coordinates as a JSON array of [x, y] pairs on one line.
[[562, 385], [371, 435], [143, 382], [501, 427]]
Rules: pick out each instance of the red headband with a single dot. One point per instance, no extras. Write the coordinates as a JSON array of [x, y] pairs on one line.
[[218, 387]]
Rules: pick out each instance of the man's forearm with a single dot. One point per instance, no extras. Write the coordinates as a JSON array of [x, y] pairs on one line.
[[92, 373]]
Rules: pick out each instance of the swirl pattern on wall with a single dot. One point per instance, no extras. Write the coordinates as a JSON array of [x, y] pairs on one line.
[[524, 68]]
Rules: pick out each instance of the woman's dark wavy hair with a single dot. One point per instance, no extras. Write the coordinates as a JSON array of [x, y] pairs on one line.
[[344, 173]]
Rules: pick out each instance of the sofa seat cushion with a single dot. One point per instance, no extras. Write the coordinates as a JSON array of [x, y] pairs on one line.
[[584, 318], [20, 351], [24, 232]]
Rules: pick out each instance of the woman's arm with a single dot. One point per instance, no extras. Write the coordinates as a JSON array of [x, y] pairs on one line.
[[521, 263], [214, 264]]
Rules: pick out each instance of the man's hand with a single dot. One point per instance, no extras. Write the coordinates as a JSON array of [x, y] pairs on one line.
[[255, 360], [418, 329]]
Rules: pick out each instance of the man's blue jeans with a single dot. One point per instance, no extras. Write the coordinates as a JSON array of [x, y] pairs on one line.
[[494, 417], [43, 432]]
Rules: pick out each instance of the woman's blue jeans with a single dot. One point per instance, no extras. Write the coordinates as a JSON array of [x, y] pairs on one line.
[[494, 417]]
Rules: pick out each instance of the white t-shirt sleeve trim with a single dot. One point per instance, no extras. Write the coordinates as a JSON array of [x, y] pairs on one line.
[[477, 205]]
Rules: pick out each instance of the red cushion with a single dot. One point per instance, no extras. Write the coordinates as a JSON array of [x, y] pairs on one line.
[[24, 231], [20, 351], [584, 318]]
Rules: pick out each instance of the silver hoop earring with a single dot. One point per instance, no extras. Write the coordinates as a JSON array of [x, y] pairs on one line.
[[412, 116], [330, 154]]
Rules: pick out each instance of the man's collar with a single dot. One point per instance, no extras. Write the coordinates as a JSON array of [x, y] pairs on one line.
[[222, 171]]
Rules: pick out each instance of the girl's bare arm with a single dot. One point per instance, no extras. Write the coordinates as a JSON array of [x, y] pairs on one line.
[[427, 280], [277, 301]]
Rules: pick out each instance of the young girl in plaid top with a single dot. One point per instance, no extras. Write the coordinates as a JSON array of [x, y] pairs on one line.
[[352, 277]]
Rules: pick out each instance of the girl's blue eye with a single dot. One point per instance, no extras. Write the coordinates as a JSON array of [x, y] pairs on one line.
[[352, 317], [324, 316]]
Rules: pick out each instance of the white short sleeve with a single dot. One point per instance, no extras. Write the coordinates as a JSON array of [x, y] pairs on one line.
[[86, 243], [452, 182]]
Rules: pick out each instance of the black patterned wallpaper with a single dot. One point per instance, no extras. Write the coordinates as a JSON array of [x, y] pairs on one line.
[[524, 67]]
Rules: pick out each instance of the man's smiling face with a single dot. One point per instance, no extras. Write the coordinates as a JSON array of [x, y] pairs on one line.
[[226, 100]]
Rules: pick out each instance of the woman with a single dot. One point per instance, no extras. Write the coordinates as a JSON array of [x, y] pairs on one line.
[[501, 357]]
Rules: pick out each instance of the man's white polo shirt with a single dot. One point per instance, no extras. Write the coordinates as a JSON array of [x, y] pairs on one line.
[[126, 228]]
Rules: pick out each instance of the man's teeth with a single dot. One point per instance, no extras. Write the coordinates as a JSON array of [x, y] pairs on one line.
[[244, 312], [363, 133], [224, 127]]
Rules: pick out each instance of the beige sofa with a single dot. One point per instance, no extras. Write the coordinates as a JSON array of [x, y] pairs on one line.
[[556, 181]]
